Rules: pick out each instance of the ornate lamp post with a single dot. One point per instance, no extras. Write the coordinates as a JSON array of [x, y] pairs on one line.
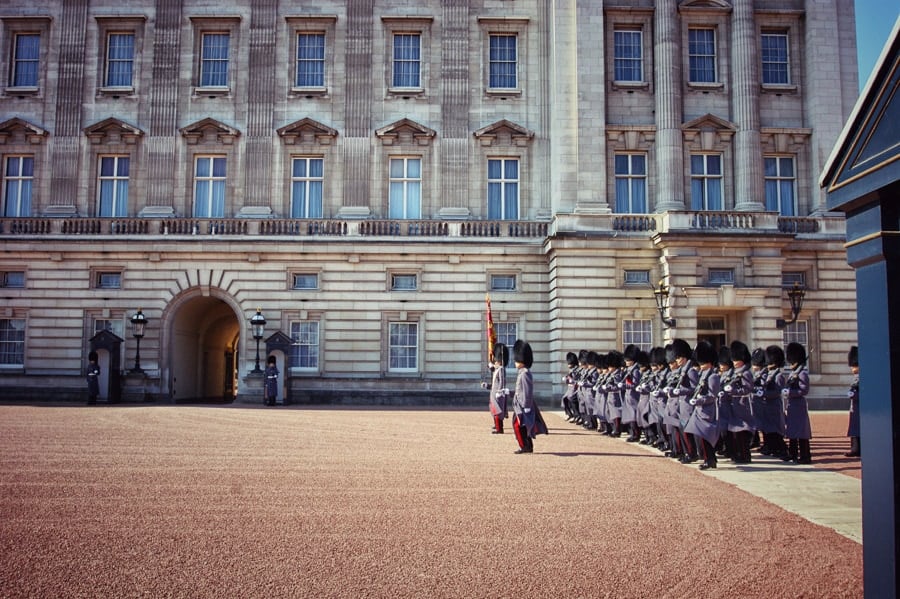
[[258, 328], [795, 296], [661, 294], [138, 322]]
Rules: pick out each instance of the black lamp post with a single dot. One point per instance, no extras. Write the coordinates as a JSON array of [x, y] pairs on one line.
[[138, 322], [795, 296], [258, 328], [661, 294]]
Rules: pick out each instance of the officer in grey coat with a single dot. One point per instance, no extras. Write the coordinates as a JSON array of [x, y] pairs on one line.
[[853, 394], [703, 423], [796, 386], [741, 422]]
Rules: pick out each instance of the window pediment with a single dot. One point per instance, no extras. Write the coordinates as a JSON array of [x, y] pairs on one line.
[[209, 130], [709, 130], [698, 5], [405, 131], [16, 130], [112, 130], [307, 130], [504, 132]]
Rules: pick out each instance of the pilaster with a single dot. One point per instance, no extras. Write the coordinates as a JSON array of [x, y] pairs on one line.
[[668, 83], [748, 167]]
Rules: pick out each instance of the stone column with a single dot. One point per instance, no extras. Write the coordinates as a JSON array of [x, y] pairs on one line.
[[454, 140], [65, 144], [748, 162], [357, 142], [259, 148], [667, 78], [161, 140]]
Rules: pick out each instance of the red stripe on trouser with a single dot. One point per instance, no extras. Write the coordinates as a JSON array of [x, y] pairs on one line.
[[498, 423], [518, 430]]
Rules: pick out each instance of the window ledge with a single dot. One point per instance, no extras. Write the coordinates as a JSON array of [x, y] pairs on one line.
[[309, 92], [22, 90], [115, 92], [700, 86], [501, 93], [212, 91], [406, 91], [778, 88], [631, 85]]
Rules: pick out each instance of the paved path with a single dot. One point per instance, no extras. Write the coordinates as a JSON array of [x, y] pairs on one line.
[[820, 496]]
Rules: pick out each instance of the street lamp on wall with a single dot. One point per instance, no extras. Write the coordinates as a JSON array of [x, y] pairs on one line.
[[138, 322], [661, 294], [258, 328], [795, 296]]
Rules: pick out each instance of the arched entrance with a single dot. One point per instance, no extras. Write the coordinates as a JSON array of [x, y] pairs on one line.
[[203, 337]]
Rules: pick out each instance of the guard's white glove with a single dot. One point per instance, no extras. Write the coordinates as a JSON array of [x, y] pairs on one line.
[[760, 393], [850, 394], [504, 391], [484, 385], [785, 392], [728, 388], [692, 401], [527, 410]]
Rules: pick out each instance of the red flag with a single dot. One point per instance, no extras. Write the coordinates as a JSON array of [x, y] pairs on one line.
[[491, 331]]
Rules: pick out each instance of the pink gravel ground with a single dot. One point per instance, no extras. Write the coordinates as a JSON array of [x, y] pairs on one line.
[[179, 501]]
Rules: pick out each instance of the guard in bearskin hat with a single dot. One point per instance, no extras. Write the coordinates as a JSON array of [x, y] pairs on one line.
[[527, 422], [853, 394], [796, 386], [499, 390], [703, 424], [569, 402], [771, 417], [741, 423]]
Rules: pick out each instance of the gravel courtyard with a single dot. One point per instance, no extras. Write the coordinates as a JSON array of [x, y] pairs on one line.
[[238, 501]]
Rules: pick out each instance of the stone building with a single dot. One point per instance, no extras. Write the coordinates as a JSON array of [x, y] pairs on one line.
[[365, 172]]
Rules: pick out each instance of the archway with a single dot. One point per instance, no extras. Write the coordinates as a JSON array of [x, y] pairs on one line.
[[204, 333]]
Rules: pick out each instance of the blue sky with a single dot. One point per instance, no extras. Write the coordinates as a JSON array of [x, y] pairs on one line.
[[874, 22]]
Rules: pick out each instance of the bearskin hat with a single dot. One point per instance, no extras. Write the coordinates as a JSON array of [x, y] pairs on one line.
[[658, 356], [642, 358], [705, 353], [681, 348], [501, 354], [740, 352], [670, 353], [725, 356], [630, 352], [794, 353], [775, 356], [758, 357], [572, 359], [600, 360], [853, 356], [614, 359], [583, 356], [522, 353]]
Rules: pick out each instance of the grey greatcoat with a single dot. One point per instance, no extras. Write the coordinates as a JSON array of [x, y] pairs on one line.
[[740, 388], [853, 394], [723, 401], [498, 398], [771, 418], [586, 390], [631, 394], [614, 387], [796, 386], [703, 421]]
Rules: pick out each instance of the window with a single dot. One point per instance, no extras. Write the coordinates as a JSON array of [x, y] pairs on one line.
[[638, 332], [113, 185], [503, 282], [119, 60], [791, 278], [403, 346], [307, 182], [26, 59], [503, 189], [305, 281], [637, 277], [12, 341], [405, 199], [109, 280], [502, 58], [214, 60], [304, 344], [507, 333], [14, 279], [631, 183], [702, 55], [720, 276], [116, 327], [796, 332], [706, 182], [407, 60], [775, 63], [628, 55], [209, 186], [310, 60], [403, 282], [780, 184], [18, 180]]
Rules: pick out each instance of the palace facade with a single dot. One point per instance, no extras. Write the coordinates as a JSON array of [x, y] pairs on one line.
[[364, 172]]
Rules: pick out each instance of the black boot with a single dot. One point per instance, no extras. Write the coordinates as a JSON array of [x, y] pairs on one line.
[[854, 448]]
